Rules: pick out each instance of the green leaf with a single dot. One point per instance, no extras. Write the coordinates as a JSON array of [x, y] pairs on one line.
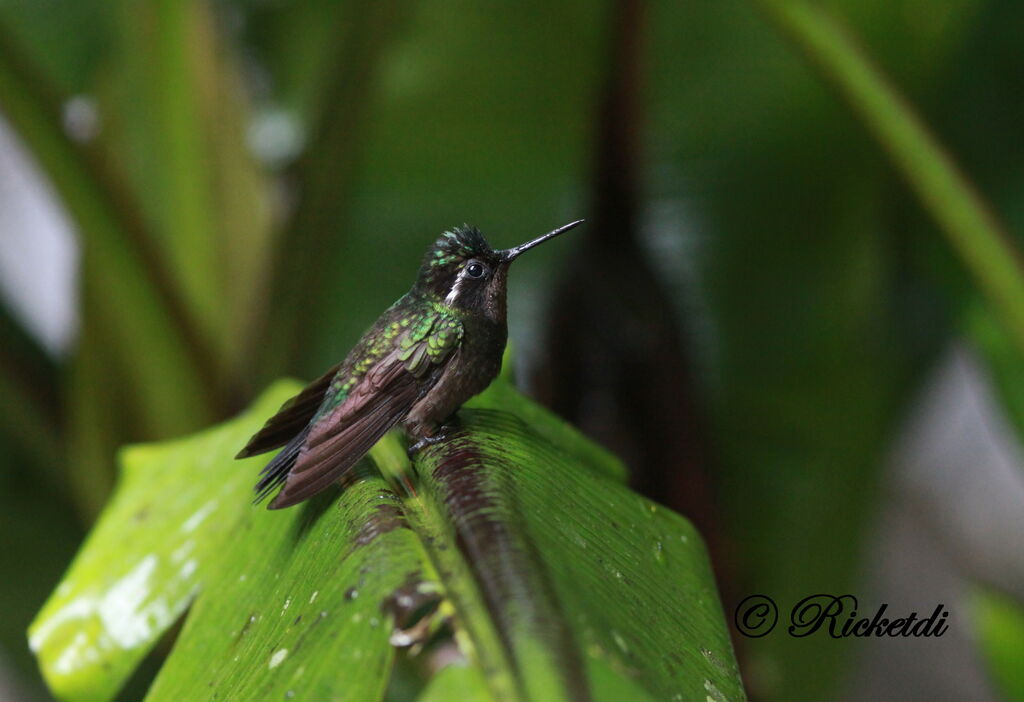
[[999, 625], [40, 536], [179, 124], [551, 579], [295, 606], [125, 286], [547, 424], [809, 350], [172, 514], [598, 592], [455, 682], [973, 230], [352, 39]]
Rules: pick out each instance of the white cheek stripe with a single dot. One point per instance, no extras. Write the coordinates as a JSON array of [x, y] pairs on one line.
[[453, 294]]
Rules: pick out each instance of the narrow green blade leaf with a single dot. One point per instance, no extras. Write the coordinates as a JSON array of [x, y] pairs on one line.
[[973, 230], [181, 120], [144, 318]]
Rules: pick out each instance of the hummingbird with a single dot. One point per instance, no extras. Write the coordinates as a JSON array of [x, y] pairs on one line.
[[439, 345]]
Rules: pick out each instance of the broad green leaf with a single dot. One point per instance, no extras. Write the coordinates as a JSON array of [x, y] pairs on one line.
[[999, 627], [174, 512], [547, 424], [296, 607], [569, 566], [554, 580]]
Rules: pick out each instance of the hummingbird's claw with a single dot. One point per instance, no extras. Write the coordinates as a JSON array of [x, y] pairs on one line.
[[441, 433], [425, 442]]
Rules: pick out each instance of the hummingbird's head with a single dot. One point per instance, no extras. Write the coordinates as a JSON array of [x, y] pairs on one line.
[[464, 271]]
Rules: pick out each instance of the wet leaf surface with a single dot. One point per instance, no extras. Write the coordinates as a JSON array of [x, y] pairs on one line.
[[296, 606], [173, 513], [597, 592], [514, 543]]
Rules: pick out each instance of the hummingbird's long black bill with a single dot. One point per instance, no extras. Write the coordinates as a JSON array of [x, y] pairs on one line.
[[513, 253]]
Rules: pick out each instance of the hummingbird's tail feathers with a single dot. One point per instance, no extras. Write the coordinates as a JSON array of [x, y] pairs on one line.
[[275, 473], [339, 440], [294, 416]]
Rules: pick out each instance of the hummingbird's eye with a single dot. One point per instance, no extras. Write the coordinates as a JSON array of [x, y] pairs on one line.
[[475, 270]]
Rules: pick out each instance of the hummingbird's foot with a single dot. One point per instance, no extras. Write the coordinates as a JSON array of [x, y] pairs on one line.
[[440, 434], [425, 442]]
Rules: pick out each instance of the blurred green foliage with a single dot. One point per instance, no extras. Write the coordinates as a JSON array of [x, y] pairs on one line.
[[1001, 635], [812, 288]]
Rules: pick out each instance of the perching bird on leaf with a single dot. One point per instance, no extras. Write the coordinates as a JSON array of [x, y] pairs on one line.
[[439, 345]]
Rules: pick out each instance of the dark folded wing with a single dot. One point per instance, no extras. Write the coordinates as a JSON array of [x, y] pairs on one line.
[[381, 399], [340, 439], [291, 419], [275, 472]]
